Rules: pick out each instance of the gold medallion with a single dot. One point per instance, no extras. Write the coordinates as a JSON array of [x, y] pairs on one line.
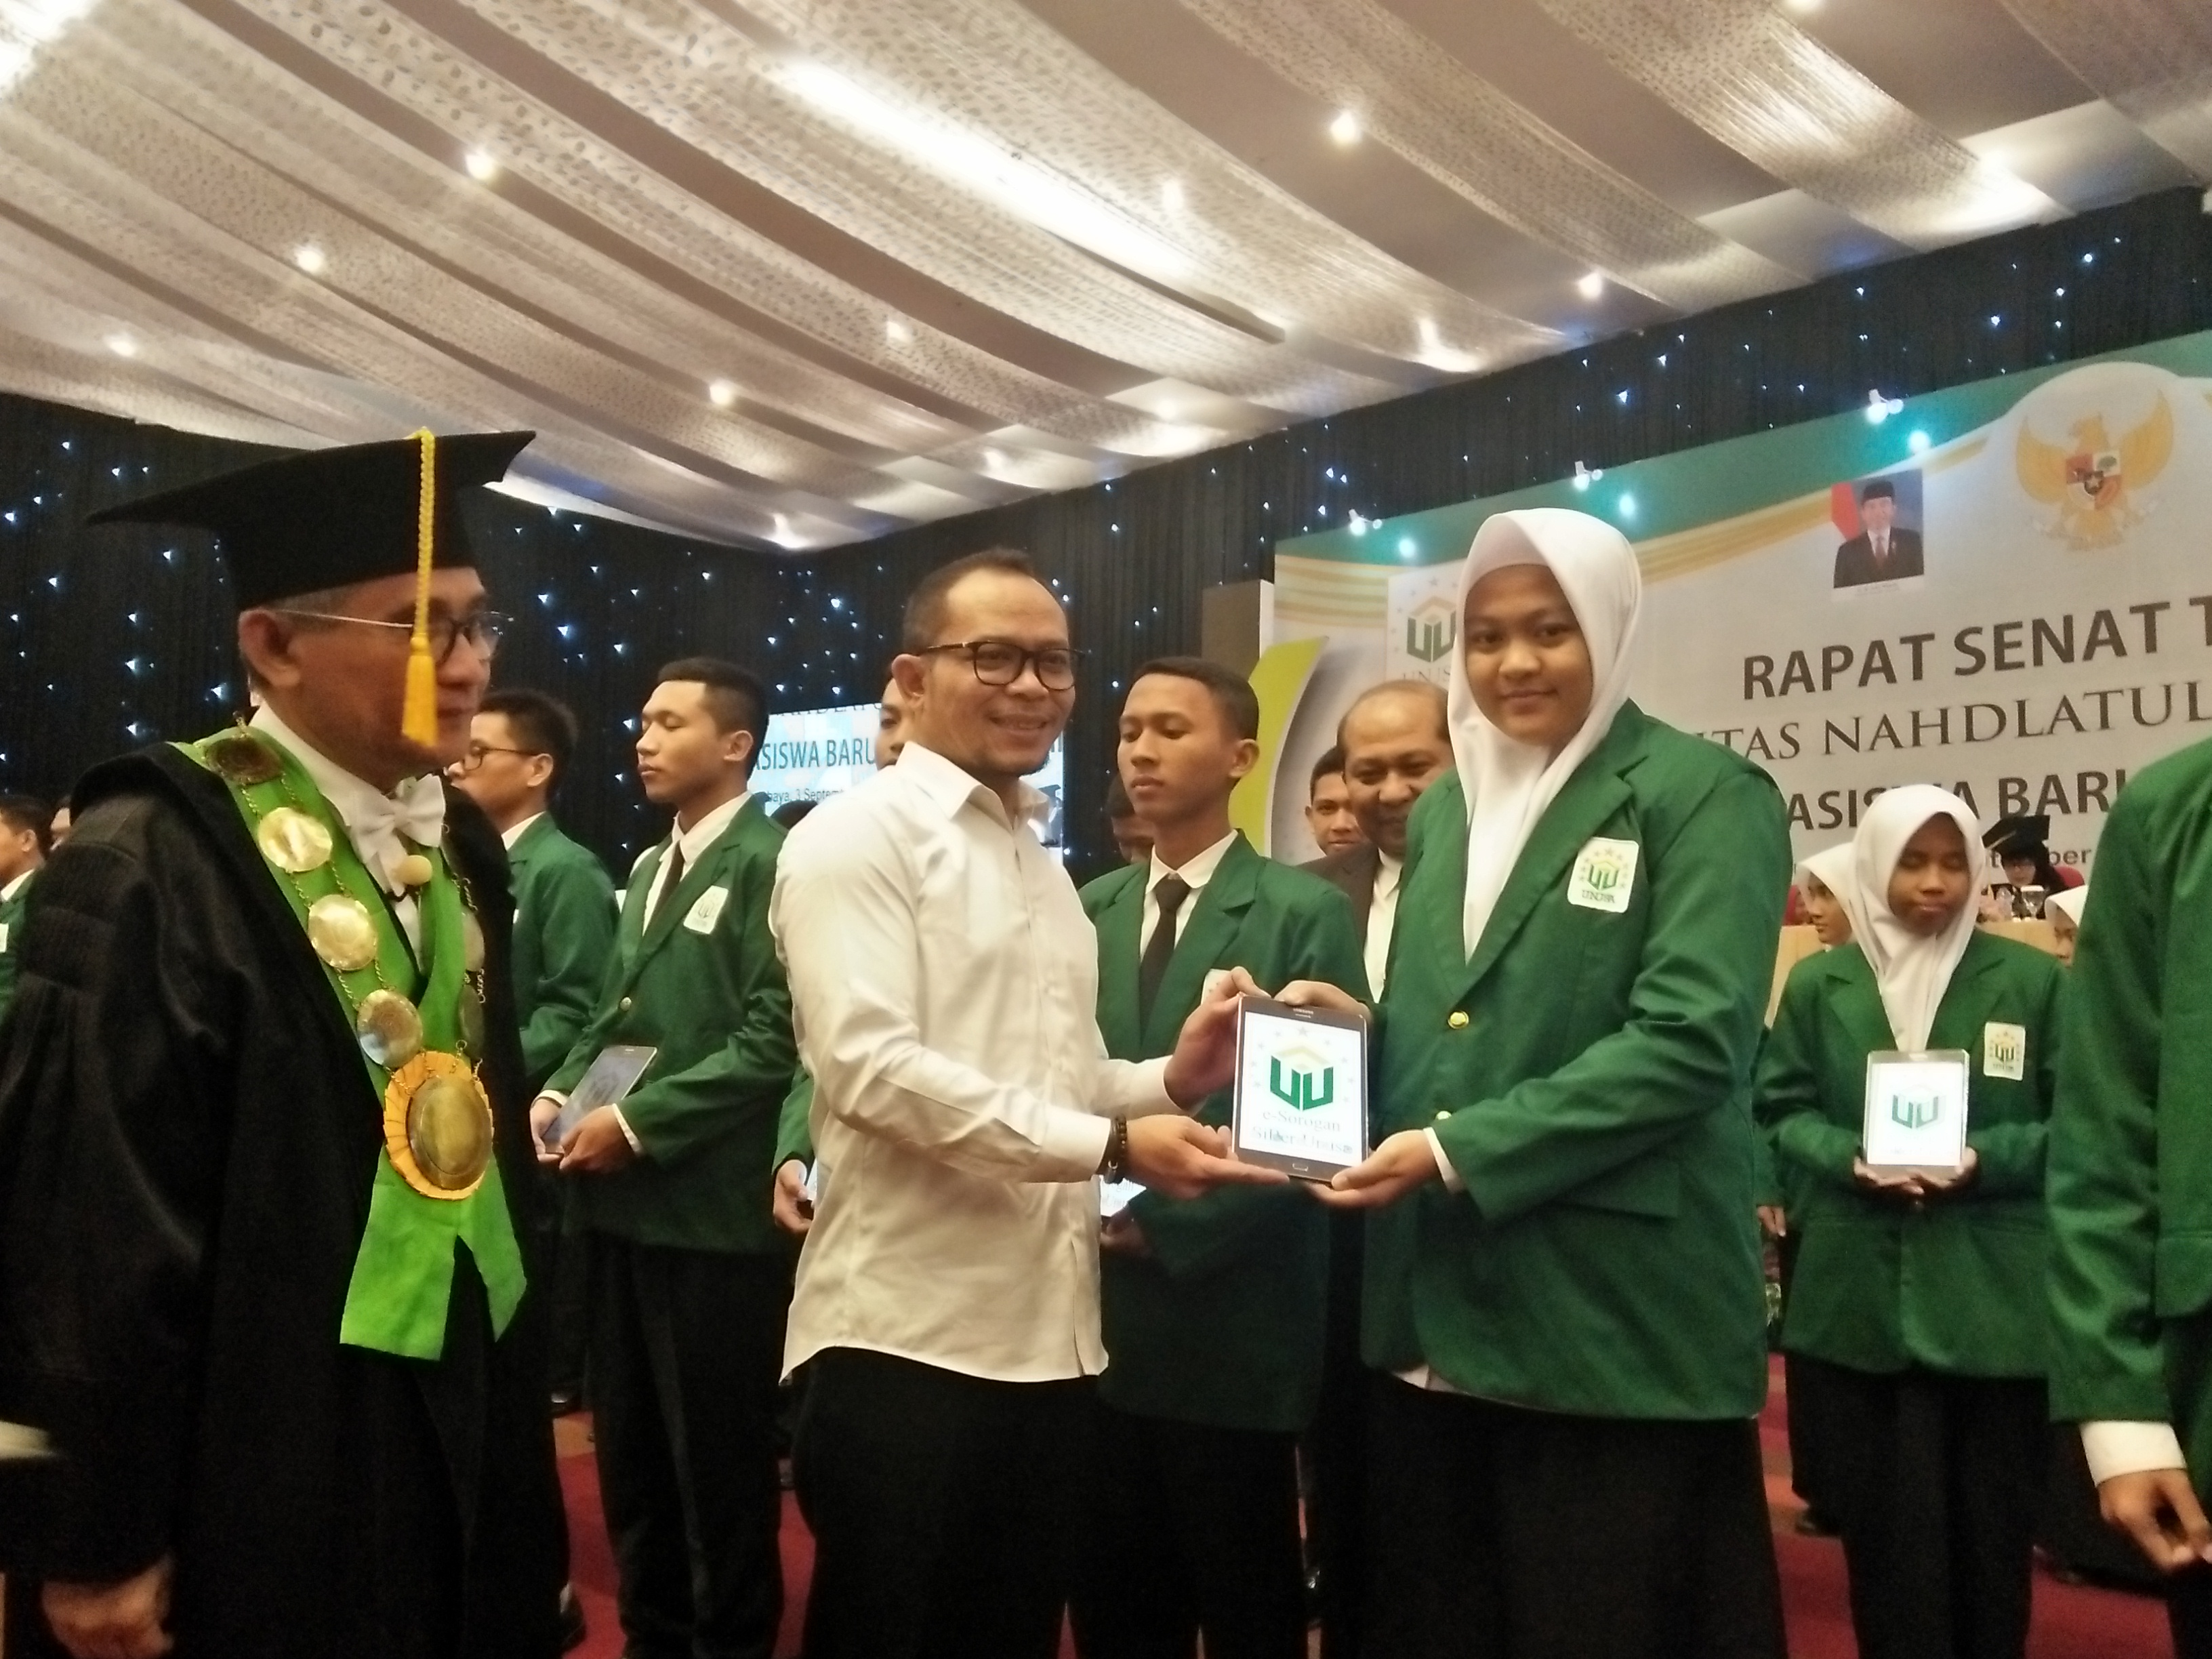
[[413, 871], [342, 931], [389, 1029], [243, 759], [293, 840], [472, 942], [438, 1126], [472, 1015]]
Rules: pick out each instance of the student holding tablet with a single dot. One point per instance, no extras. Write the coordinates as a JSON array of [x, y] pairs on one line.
[[1918, 1298], [1212, 1306], [1563, 1305]]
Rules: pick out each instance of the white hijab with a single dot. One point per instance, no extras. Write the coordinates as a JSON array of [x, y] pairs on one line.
[[2067, 901], [1832, 867], [1912, 971], [1509, 784]]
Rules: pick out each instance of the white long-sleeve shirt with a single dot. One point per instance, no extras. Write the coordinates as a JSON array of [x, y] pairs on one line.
[[944, 989]]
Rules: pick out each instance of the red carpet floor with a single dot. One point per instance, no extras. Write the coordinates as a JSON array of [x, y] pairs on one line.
[[2071, 1622]]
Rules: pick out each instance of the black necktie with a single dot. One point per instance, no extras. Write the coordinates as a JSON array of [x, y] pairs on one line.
[[1169, 890], [668, 888]]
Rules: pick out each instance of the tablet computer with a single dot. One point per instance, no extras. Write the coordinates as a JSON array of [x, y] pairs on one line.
[[1300, 1104], [1916, 1111], [612, 1075]]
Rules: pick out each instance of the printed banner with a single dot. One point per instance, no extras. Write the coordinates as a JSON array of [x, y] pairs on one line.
[[2003, 589]]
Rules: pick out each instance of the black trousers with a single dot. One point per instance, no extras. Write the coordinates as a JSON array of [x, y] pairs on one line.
[[563, 1263], [1936, 1481], [1336, 1447], [944, 1507], [1800, 1387], [686, 1347], [1500, 1532], [1188, 1528], [2189, 1610]]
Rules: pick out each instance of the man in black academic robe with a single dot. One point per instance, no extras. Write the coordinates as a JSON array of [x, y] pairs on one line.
[[188, 1135]]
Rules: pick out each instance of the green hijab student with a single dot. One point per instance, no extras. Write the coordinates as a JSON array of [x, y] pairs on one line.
[[1564, 1318], [1917, 1299]]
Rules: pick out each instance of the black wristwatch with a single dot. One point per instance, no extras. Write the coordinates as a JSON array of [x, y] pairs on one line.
[[1117, 1148]]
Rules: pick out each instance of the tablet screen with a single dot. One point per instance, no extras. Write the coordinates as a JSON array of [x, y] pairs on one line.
[[1916, 1110], [1301, 1091]]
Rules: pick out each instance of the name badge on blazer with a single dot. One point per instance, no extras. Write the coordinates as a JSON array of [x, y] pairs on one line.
[[1604, 875], [706, 910], [2004, 1051]]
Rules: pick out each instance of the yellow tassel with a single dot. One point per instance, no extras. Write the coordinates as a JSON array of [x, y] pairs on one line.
[[418, 714]]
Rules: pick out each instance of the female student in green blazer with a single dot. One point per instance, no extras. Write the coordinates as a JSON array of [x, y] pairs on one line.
[[1564, 1310], [1917, 1301]]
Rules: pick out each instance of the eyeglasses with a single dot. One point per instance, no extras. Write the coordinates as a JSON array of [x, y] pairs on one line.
[[482, 629], [476, 751], [997, 663]]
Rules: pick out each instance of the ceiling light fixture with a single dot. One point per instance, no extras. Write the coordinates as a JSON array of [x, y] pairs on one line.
[[1880, 408], [26, 27], [122, 345], [1344, 129], [721, 394], [1592, 286], [310, 258], [897, 332], [1172, 197], [483, 166], [1585, 477]]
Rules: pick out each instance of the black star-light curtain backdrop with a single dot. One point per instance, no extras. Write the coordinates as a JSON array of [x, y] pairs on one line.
[[116, 637]]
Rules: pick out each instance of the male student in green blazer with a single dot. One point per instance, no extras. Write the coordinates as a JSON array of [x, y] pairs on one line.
[[2131, 1182], [690, 1277], [564, 931], [519, 746], [23, 820], [1212, 1307]]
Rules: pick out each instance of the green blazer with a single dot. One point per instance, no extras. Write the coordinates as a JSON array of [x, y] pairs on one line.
[[1956, 1286], [2130, 1186], [794, 1127], [1222, 1325], [564, 935], [13, 912], [713, 999], [1588, 1073]]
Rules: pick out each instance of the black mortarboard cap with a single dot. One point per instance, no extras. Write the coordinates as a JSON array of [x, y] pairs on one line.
[[2021, 832], [331, 518]]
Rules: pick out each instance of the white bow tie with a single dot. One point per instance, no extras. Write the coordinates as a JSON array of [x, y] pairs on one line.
[[416, 811]]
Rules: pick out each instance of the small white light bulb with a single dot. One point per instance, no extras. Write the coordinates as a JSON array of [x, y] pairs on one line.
[[1344, 129], [483, 166], [721, 394]]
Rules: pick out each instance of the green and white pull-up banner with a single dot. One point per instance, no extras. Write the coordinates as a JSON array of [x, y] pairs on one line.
[[2004, 589]]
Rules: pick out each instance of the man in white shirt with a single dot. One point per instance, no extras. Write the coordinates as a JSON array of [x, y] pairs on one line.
[[944, 984], [1395, 743]]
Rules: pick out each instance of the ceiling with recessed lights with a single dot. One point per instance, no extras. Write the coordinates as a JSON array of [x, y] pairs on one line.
[[801, 272]]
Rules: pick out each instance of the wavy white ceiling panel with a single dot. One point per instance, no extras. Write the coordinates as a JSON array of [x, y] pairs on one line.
[[796, 272], [1768, 90]]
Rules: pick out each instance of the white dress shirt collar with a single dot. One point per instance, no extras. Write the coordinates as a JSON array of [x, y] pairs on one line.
[[695, 842], [351, 798], [1388, 870], [516, 832], [9, 892], [952, 787], [1196, 870]]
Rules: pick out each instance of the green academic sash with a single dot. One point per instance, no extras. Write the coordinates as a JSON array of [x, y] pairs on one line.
[[403, 1274]]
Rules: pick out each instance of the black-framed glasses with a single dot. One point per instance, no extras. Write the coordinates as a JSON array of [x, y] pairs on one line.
[[476, 751], [482, 629], [999, 662]]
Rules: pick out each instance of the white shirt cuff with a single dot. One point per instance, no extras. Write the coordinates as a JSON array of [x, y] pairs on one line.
[[1075, 1145], [2117, 1449], [1452, 1183], [1148, 1090], [629, 1134]]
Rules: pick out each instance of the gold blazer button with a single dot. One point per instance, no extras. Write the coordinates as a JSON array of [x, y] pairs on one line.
[[1458, 1020]]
